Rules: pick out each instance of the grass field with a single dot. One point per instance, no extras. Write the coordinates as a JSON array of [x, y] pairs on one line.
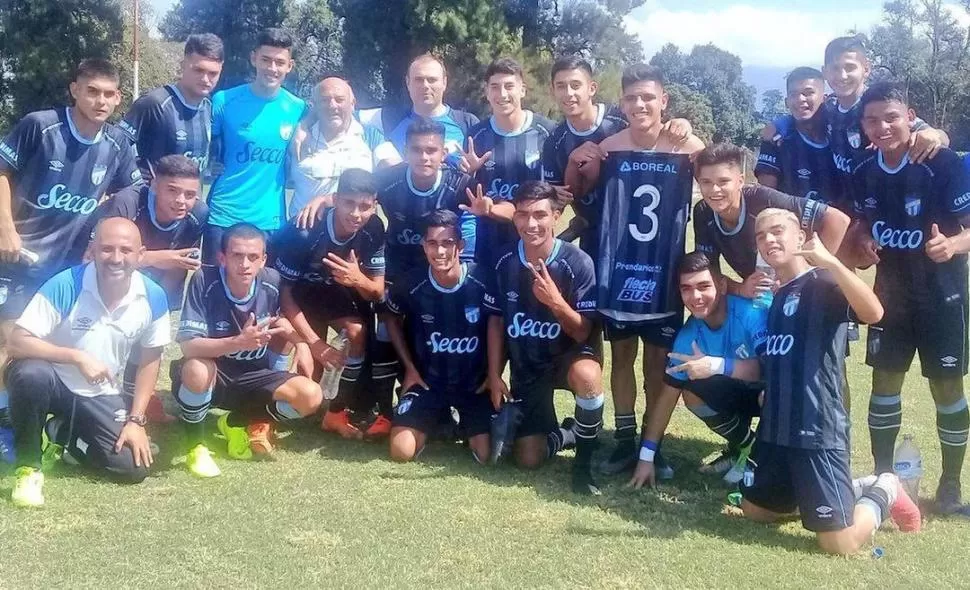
[[337, 514]]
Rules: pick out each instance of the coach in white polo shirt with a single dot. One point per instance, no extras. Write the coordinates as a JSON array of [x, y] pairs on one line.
[[335, 142], [70, 348]]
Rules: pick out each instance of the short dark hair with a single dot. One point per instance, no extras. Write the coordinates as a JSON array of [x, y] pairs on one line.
[[889, 91], [719, 153], [853, 43], [355, 181], [443, 218], [504, 65], [275, 37], [537, 190], [424, 126], [571, 62], [205, 45], [96, 67], [176, 166], [698, 261], [242, 231], [641, 73], [800, 74]]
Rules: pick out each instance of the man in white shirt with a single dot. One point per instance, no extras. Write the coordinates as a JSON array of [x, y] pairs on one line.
[[70, 348]]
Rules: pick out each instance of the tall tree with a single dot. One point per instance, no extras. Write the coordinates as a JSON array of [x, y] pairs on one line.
[[772, 105], [320, 37]]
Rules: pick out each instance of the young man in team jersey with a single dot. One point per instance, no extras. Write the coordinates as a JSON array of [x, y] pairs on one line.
[[177, 118], [252, 125], [55, 166], [915, 218], [504, 151], [646, 179], [440, 334], [801, 460], [715, 366], [232, 336], [332, 274], [542, 298]]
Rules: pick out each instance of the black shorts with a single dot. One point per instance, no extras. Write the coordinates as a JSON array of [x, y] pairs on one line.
[[17, 288], [659, 332], [534, 392], [938, 333], [724, 395], [423, 410], [237, 388], [816, 482], [322, 304]]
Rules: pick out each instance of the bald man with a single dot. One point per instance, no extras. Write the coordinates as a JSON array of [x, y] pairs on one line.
[[69, 349], [334, 143]]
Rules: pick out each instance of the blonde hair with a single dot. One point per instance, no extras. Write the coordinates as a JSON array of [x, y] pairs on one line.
[[776, 212]]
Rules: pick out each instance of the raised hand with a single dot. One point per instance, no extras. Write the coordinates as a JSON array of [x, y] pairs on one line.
[[345, 272], [471, 161], [696, 365], [479, 204], [253, 336], [815, 253], [544, 288], [939, 248]]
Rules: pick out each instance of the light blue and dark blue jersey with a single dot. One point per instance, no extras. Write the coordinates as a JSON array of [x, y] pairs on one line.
[[804, 168], [301, 251], [446, 327], [162, 123], [253, 134]]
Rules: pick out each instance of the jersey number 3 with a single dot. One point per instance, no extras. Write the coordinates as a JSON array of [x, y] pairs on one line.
[[649, 211]]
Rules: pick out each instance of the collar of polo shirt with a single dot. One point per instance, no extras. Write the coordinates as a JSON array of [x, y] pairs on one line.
[[89, 283]]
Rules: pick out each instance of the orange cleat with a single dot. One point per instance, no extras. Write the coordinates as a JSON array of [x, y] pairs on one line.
[[155, 411], [339, 423], [260, 432], [905, 512], [380, 428]]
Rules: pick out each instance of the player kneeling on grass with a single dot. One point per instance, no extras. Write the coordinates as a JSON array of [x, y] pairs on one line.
[[801, 459], [715, 365], [69, 349], [542, 295], [439, 332], [232, 338]]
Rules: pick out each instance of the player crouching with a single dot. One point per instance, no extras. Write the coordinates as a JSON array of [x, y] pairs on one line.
[[231, 337]]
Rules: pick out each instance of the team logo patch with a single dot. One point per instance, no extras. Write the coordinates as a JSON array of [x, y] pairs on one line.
[[427, 318], [741, 352], [667, 331], [56, 165], [804, 172], [949, 361], [913, 206], [405, 404], [512, 296], [222, 326], [490, 164], [824, 511], [97, 173], [625, 167], [181, 135], [531, 159], [472, 314], [286, 132], [791, 304], [855, 139]]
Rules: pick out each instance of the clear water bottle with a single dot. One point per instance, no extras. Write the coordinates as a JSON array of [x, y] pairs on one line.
[[908, 465], [330, 381], [764, 298]]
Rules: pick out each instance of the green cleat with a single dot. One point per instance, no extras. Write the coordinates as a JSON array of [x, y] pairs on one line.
[[736, 473], [237, 439], [200, 463], [28, 489], [51, 452]]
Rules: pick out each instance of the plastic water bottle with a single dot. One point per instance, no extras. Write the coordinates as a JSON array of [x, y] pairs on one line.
[[6, 430], [330, 381], [764, 298], [908, 465]]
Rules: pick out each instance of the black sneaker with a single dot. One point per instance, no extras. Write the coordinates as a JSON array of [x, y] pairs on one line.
[[623, 458], [948, 499], [502, 430], [583, 482], [569, 423]]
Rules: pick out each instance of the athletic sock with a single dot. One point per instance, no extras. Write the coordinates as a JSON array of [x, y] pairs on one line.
[[625, 427], [880, 496], [885, 420], [730, 427], [952, 426], [860, 485], [347, 389], [383, 377], [193, 407], [559, 439], [281, 410], [589, 420]]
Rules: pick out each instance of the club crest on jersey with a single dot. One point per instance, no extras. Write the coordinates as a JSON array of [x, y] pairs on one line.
[[855, 139], [286, 132], [181, 135], [97, 174], [56, 166], [913, 206], [404, 405], [472, 314], [791, 304], [531, 159]]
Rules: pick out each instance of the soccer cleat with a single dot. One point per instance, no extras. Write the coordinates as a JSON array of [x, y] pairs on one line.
[[260, 432], [502, 430], [623, 458], [155, 411], [28, 488], [904, 511], [339, 423], [237, 439], [569, 425], [736, 473], [583, 482], [948, 499], [379, 428], [200, 463], [51, 451], [719, 465]]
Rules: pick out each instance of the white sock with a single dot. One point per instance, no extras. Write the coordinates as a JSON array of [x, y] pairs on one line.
[[860, 485]]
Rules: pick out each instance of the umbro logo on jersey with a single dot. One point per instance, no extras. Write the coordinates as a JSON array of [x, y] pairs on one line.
[[97, 174], [512, 296], [472, 314], [824, 511], [222, 326], [667, 331], [791, 304], [804, 172], [181, 135], [949, 361], [427, 318], [56, 166], [490, 164], [871, 203], [913, 206], [83, 324], [286, 132]]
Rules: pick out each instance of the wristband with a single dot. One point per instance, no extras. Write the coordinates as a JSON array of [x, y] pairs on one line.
[[648, 450], [728, 367], [717, 364]]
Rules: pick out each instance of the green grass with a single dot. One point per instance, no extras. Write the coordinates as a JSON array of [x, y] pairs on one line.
[[331, 513]]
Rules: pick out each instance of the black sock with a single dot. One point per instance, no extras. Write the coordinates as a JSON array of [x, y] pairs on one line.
[[348, 388], [952, 424], [732, 428], [193, 407], [625, 427], [589, 420], [554, 443], [885, 420], [383, 377]]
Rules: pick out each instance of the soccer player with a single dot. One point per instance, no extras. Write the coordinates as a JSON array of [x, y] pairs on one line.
[[55, 166], [646, 181], [335, 142], [916, 217], [504, 151], [177, 118], [232, 336], [542, 298], [69, 348], [715, 365], [332, 273], [801, 458], [724, 219], [252, 125], [440, 335]]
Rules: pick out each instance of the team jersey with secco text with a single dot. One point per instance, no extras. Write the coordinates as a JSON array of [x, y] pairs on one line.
[[804, 168], [58, 178], [646, 205], [805, 364], [211, 311], [535, 340], [738, 245], [162, 123], [446, 328]]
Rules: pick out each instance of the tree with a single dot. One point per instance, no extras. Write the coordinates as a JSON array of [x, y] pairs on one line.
[[693, 106], [772, 105], [158, 59], [320, 38]]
